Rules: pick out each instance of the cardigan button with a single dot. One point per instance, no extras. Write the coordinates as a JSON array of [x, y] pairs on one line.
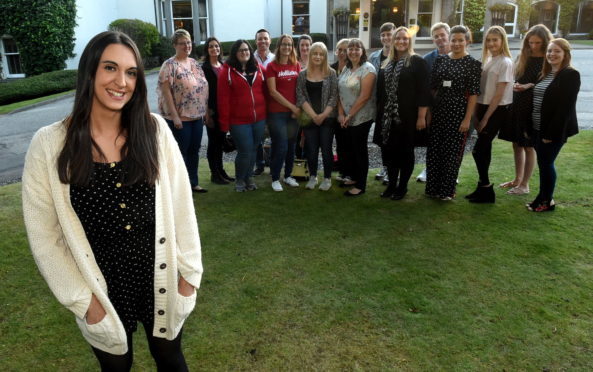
[[162, 290], [163, 330], [161, 312], [118, 185], [162, 240], [163, 266]]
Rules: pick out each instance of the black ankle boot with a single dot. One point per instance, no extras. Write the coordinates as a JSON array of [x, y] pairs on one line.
[[476, 192], [399, 194], [486, 195], [218, 179], [389, 191], [224, 175]]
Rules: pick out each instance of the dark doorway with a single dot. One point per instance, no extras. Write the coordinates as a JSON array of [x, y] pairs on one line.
[[386, 11]]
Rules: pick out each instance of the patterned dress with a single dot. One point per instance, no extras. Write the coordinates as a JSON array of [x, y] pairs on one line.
[[454, 80], [119, 222]]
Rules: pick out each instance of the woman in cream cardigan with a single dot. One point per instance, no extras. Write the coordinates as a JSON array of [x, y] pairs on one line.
[[109, 212]]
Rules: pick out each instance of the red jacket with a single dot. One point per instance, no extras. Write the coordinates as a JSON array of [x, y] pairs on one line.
[[239, 102]]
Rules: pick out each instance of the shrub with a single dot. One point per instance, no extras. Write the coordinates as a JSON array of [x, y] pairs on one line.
[[37, 86], [473, 15], [163, 49], [43, 31], [144, 34]]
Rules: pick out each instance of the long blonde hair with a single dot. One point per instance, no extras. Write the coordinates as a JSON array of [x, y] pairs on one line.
[[540, 31], [496, 30], [393, 51], [565, 46], [324, 65]]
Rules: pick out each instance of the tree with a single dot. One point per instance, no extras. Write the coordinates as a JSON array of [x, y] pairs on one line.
[[43, 31]]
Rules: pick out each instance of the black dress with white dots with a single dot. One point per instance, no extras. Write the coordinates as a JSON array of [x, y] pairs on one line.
[[454, 80], [119, 222]]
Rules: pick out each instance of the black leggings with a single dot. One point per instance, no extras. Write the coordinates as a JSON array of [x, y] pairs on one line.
[[214, 153], [166, 353], [482, 152]]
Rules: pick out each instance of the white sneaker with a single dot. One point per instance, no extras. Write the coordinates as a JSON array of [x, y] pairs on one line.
[[312, 183], [276, 186], [422, 176], [291, 182], [326, 184]]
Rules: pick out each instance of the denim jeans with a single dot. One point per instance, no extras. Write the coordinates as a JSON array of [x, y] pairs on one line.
[[546, 155], [246, 137], [317, 136], [189, 139], [283, 131]]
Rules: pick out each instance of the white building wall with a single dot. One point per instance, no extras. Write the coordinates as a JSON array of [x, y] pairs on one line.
[[234, 20], [318, 16], [94, 17]]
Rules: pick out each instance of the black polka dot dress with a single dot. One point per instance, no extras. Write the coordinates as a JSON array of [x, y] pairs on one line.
[[119, 222], [454, 80]]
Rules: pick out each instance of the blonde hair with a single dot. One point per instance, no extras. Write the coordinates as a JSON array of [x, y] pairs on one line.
[[565, 46], [292, 58], [324, 65], [393, 51], [504, 49], [179, 33], [540, 31], [342, 41]]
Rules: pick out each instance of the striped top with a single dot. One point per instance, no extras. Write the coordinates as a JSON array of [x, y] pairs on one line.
[[538, 96]]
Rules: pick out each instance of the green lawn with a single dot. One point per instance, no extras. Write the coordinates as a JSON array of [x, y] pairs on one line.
[[306, 280], [585, 42], [7, 109]]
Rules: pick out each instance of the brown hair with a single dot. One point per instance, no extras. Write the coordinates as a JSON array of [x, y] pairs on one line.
[[540, 31], [565, 46], [388, 26], [459, 29], [292, 58], [357, 43]]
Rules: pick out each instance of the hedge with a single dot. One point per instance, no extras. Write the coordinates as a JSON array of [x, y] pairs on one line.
[[145, 35], [37, 86]]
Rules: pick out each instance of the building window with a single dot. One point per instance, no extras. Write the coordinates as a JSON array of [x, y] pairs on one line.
[[459, 12], [424, 17], [191, 15], [354, 19], [300, 17], [583, 18], [182, 16], [11, 58]]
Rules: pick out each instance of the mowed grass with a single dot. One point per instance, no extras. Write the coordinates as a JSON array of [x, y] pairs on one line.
[[307, 280]]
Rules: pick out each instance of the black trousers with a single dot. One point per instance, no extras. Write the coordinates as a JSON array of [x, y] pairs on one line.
[[482, 151], [214, 153], [342, 148], [358, 159], [399, 153], [166, 353]]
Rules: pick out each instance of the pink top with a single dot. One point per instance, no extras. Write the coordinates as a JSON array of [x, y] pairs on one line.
[[189, 89]]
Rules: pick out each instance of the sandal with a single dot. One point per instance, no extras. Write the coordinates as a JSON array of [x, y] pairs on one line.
[[507, 185], [518, 191]]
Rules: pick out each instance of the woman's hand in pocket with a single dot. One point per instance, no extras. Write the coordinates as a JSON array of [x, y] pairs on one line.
[[184, 288], [95, 312]]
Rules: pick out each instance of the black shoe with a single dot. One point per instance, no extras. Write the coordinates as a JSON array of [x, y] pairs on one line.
[[399, 194], [486, 195], [388, 193], [258, 171], [218, 179], [199, 189], [476, 192], [226, 176]]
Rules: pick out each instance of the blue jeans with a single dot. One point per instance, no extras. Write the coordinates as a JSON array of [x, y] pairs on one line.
[[247, 137], [283, 131], [320, 136], [546, 155], [189, 139]]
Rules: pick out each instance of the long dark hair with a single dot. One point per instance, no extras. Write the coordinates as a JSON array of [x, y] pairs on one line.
[[207, 46], [140, 151], [233, 61]]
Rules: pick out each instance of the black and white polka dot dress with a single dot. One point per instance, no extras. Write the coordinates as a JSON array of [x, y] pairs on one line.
[[119, 222], [454, 80]]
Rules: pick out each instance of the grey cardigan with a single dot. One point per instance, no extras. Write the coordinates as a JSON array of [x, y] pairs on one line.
[[329, 91]]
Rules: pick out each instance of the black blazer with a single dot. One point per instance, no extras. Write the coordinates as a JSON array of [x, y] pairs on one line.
[[212, 79], [413, 92], [558, 110]]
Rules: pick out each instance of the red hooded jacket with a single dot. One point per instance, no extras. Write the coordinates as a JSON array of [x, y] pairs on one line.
[[238, 102]]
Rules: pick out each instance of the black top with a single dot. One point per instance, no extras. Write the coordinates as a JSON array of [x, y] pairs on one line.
[[211, 75], [413, 92], [119, 222], [558, 111], [314, 92], [523, 101]]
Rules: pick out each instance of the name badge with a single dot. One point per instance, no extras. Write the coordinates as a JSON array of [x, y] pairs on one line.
[[447, 83]]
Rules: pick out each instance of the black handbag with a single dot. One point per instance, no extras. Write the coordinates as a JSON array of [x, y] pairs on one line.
[[228, 144]]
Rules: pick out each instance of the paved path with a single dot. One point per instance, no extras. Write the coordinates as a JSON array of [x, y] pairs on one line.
[[17, 129]]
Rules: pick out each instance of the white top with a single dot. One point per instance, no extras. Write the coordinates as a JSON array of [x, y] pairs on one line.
[[497, 70], [269, 58], [65, 258], [350, 86]]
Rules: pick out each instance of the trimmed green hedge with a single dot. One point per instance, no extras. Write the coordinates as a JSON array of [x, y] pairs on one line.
[[37, 86]]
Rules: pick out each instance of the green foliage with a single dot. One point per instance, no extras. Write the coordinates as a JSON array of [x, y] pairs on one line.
[[523, 15], [567, 10], [37, 86], [144, 34], [163, 49], [473, 14], [43, 31]]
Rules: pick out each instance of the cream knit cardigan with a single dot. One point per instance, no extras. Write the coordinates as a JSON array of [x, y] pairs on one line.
[[65, 258]]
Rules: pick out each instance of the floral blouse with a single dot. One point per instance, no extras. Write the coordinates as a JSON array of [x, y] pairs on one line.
[[189, 89], [350, 86]]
